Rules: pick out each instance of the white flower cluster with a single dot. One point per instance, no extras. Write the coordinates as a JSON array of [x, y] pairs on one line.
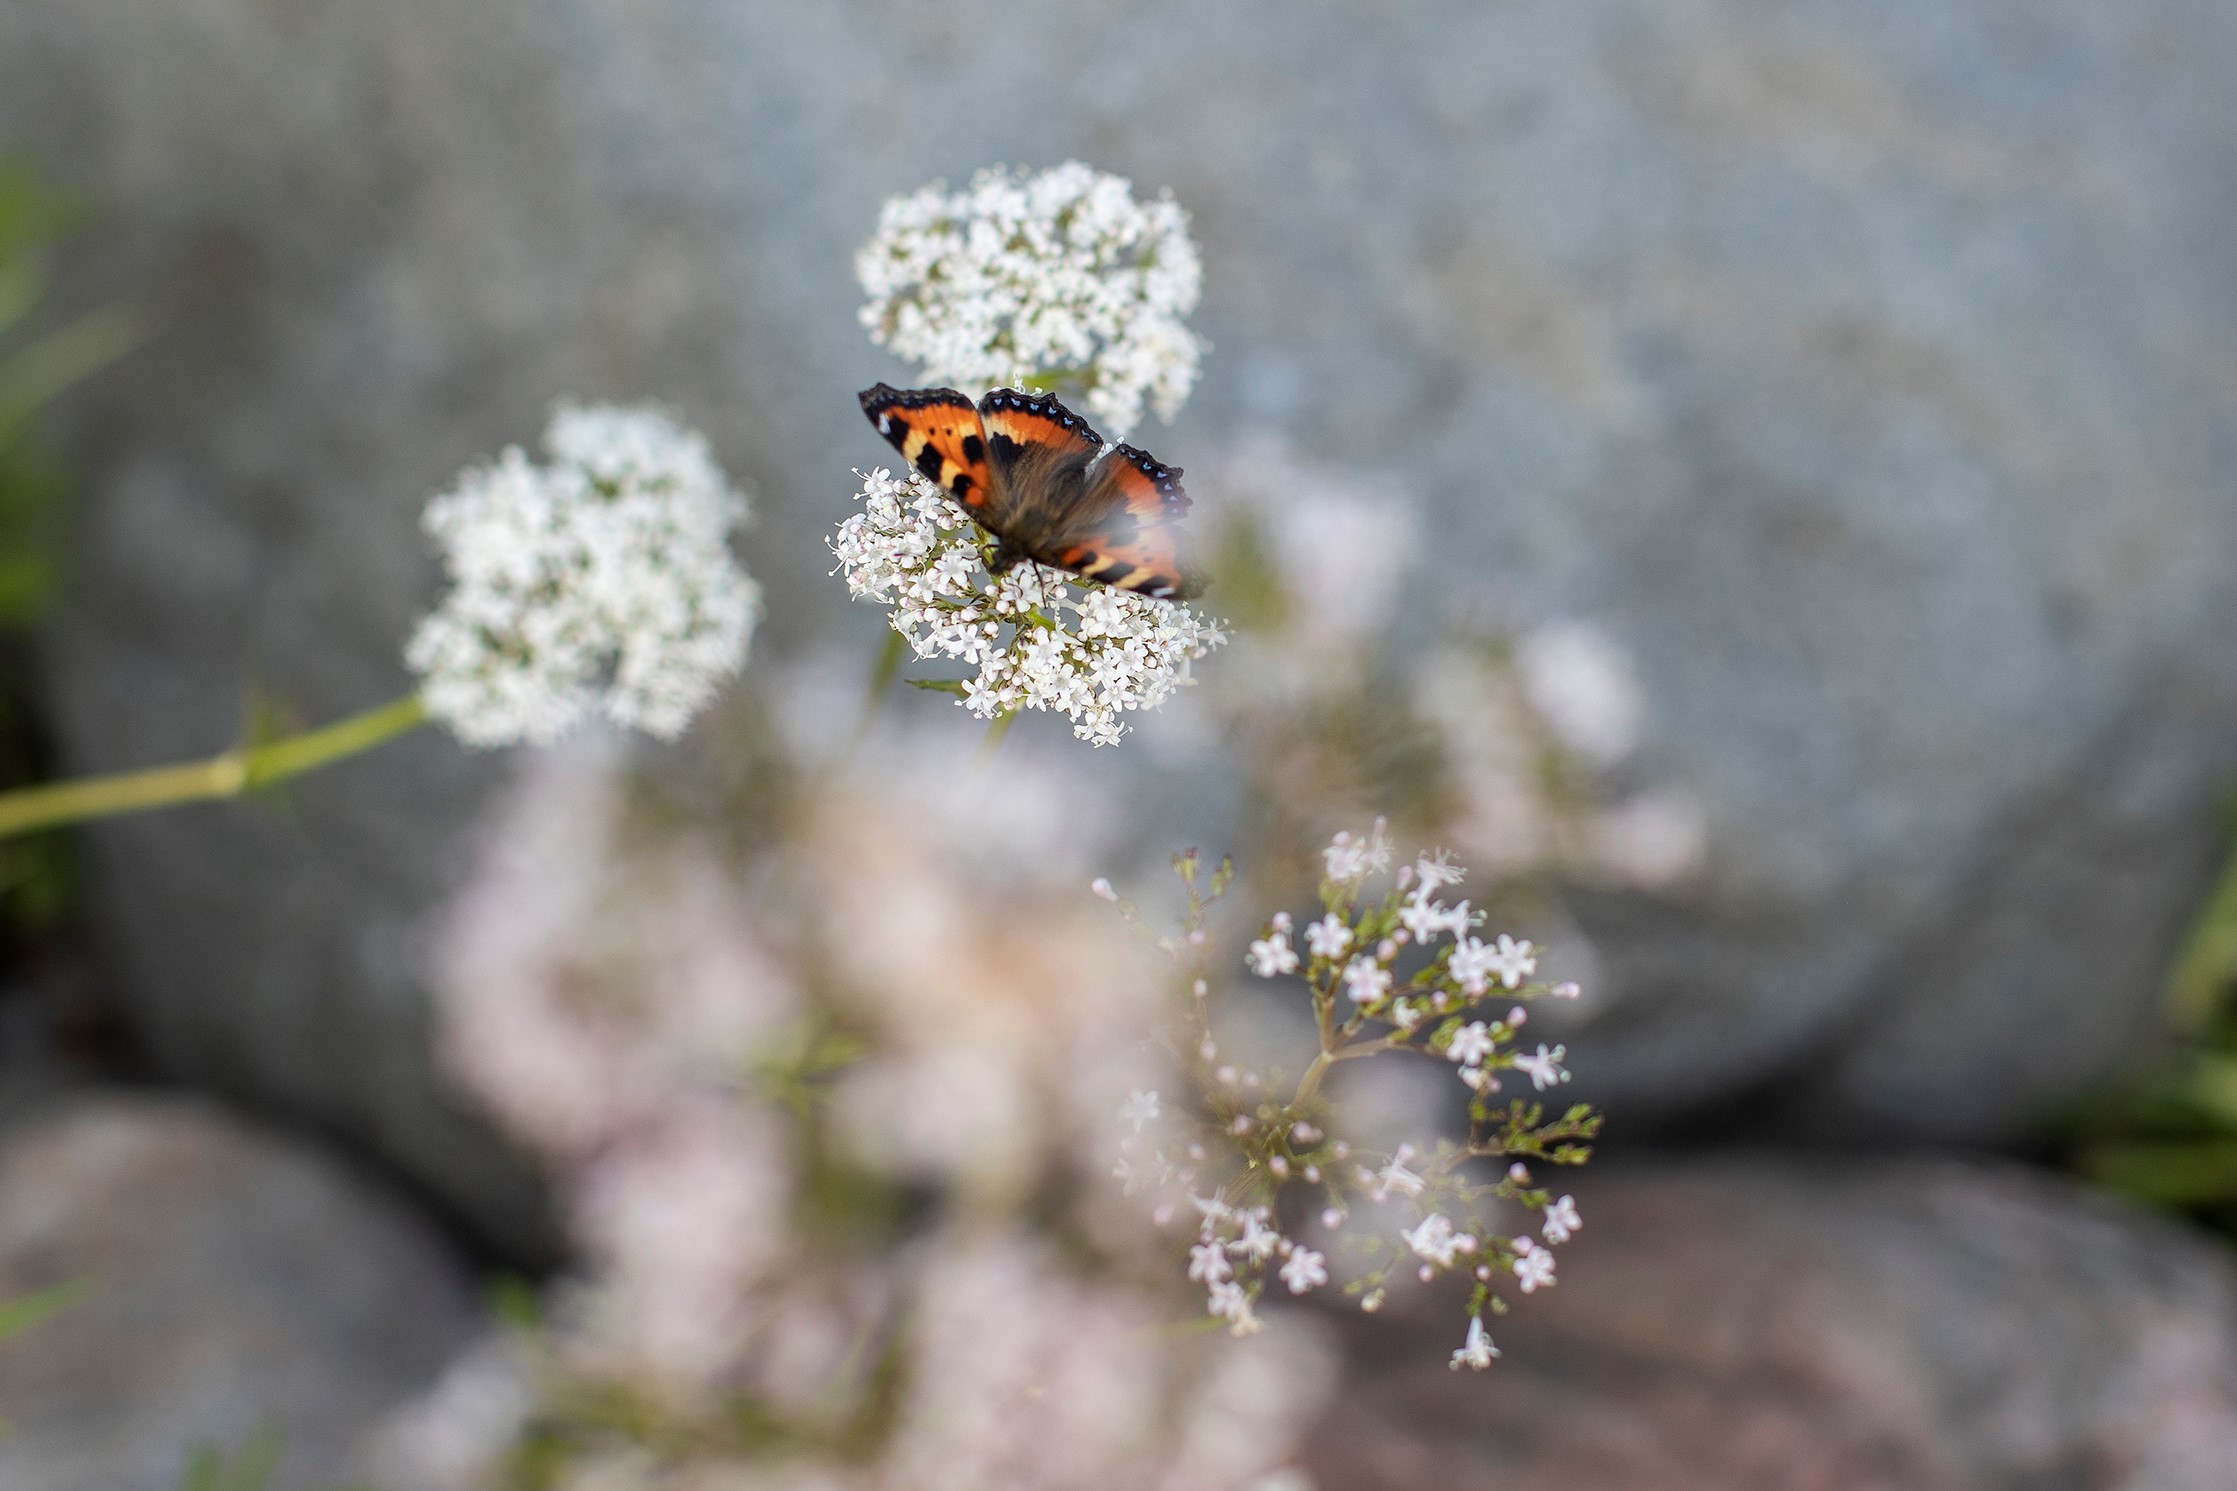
[[1402, 971], [1059, 275], [600, 582], [1038, 639]]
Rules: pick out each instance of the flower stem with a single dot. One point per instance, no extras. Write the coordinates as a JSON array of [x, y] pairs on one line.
[[882, 673], [996, 728], [228, 775], [1309, 1083]]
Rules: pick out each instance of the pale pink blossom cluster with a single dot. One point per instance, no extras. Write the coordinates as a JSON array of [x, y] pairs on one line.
[[603, 999], [1538, 730], [928, 1025]]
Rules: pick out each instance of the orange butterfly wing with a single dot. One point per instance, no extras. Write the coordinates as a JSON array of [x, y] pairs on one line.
[[1020, 424], [938, 433], [1126, 532]]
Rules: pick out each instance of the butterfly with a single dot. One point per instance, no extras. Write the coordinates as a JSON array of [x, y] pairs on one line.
[[1036, 477]]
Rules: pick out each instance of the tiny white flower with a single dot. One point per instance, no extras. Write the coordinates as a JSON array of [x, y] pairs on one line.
[[1477, 1354], [1038, 637], [1436, 1239], [1305, 1270], [1273, 955], [1470, 1044], [1544, 1069], [1437, 871], [1513, 961], [1533, 1267], [1471, 965], [1258, 1241], [1140, 1107], [1366, 980], [1567, 989], [1561, 1222], [1395, 1177], [1422, 916], [1233, 1302], [1207, 1263], [1328, 937], [599, 583], [1350, 860]]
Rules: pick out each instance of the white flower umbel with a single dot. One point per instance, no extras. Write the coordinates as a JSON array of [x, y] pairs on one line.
[[1051, 278], [599, 582], [1037, 638], [1388, 970]]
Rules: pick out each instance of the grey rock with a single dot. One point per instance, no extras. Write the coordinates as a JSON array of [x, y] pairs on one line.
[[1817, 1327], [1866, 368], [240, 1284]]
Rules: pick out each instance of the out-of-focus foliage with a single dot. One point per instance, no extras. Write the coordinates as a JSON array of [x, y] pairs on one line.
[[2173, 1142], [249, 1468], [28, 1310], [37, 362], [25, 1311]]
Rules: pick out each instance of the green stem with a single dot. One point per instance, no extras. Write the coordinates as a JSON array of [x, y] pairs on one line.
[[996, 728], [227, 775], [882, 673], [1309, 1083]]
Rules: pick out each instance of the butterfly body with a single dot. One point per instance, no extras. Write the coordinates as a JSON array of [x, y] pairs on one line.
[[1038, 479]]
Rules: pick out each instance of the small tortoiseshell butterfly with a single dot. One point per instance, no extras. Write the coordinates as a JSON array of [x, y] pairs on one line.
[[1026, 467]]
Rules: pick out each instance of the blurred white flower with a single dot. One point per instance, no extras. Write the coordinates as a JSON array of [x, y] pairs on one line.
[[1305, 1270], [1395, 1179], [1561, 1221], [1340, 544], [1544, 1069], [1207, 1263], [1059, 274], [601, 582], [1471, 1043], [1001, 1028], [1533, 1267], [1272, 955], [1328, 937], [1477, 1353], [1436, 1239], [1027, 1378], [1525, 739], [1581, 682], [583, 989], [684, 1221], [1366, 980], [1653, 838], [1038, 638], [1350, 859]]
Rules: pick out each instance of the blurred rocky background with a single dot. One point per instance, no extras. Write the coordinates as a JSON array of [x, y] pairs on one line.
[[1865, 371]]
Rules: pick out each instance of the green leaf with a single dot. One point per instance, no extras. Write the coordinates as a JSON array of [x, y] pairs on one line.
[[2206, 966], [2174, 1172], [21, 1314]]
